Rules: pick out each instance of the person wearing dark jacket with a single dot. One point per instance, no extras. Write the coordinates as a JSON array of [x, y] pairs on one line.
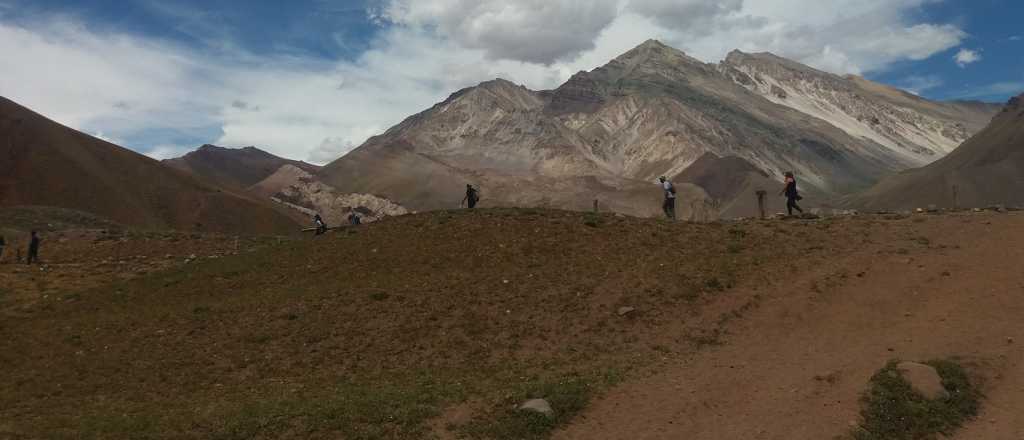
[[33, 249], [472, 197], [321, 227], [791, 193], [669, 205]]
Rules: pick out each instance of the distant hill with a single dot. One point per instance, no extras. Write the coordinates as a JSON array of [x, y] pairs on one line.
[[236, 168], [988, 169], [45, 163]]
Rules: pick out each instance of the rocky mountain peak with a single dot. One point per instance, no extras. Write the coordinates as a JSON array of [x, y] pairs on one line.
[[654, 51]]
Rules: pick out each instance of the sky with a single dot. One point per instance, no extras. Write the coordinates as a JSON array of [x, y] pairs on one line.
[[313, 79]]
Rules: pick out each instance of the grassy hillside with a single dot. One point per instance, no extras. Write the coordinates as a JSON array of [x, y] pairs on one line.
[[381, 332]]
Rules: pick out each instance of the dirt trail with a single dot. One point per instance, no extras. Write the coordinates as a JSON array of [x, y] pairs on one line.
[[794, 369]]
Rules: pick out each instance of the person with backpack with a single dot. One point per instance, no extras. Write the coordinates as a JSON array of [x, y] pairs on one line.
[[791, 193], [472, 197], [321, 227], [33, 249], [669, 206]]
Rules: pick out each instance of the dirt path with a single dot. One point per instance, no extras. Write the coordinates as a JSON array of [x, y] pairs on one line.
[[794, 368]]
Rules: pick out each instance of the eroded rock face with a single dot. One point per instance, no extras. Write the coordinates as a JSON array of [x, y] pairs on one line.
[[302, 191], [917, 131]]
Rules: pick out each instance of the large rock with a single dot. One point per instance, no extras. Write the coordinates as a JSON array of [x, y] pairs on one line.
[[538, 406], [924, 379]]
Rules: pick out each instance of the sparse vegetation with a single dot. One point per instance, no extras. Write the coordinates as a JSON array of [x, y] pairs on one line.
[[567, 396], [892, 410]]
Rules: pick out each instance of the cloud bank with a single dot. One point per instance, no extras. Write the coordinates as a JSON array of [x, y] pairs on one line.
[[162, 98]]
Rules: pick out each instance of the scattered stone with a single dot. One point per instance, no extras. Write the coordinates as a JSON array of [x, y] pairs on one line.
[[540, 406], [1009, 340], [920, 210], [623, 311], [933, 208], [924, 379]]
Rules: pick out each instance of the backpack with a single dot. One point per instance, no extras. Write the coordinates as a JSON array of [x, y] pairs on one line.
[[671, 188]]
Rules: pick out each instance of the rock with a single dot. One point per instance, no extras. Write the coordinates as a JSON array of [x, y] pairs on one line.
[[933, 208], [623, 311], [919, 210], [924, 379], [538, 406]]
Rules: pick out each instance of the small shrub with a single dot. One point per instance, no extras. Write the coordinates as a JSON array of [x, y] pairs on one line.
[[568, 397], [892, 410], [592, 219]]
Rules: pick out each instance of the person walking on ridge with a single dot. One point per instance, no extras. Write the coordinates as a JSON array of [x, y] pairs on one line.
[[472, 197], [33, 249], [321, 227], [669, 206], [791, 193]]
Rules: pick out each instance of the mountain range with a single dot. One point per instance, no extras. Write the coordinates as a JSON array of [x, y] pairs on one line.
[[609, 133], [720, 131]]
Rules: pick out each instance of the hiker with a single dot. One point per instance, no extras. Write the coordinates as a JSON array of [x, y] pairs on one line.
[[354, 220], [791, 193], [2, 244], [321, 227], [33, 249], [669, 206], [472, 197]]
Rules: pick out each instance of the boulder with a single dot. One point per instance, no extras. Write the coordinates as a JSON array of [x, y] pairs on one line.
[[540, 406], [924, 379], [623, 311]]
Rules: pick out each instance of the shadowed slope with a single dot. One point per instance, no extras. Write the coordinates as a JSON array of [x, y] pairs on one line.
[[45, 163]]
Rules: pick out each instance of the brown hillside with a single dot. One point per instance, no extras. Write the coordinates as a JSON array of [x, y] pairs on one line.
[[988, 169], [45, 163], [435, 325], [235, 168]]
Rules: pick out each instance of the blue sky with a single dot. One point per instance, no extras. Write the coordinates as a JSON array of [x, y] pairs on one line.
[[311, 79]]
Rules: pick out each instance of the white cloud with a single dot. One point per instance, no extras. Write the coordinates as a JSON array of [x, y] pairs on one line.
[[1015, 38], [966, 56], [162, 152], [128, 87], [538, 31], [920, 84]]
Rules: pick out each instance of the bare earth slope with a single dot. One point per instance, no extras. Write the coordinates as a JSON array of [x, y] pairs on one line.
[[45, 163], [795, 368], [236, 168], [988, 169]]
